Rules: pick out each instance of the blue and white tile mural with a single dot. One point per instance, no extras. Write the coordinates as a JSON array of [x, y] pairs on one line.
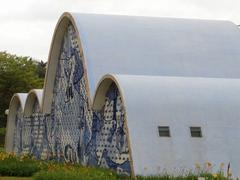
[[17, 133], [111, 142], [72, 132], [71, 114], [33, 133]]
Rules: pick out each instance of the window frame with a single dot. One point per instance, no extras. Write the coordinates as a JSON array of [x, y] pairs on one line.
[[196, 131], [164, 131]]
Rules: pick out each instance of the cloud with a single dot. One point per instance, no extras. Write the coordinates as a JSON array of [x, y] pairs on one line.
[[27, 25]]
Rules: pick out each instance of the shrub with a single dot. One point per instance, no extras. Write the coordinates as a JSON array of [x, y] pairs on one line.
[[13, 166], [76, 172]]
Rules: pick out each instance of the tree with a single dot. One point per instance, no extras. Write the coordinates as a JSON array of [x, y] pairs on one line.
[[17, 74]]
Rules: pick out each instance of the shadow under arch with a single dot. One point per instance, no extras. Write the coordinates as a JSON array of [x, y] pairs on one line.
[[17, 105]]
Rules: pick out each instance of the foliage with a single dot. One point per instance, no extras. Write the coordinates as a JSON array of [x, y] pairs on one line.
[[76, 173], [2, 131], [11, 165], [17, 74], [2, 136], [26, 165]]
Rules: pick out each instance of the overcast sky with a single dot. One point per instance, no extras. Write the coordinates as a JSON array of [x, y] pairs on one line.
[[26, 26]]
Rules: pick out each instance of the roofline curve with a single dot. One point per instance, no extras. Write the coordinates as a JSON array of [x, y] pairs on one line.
[[53, 58], [36, 94], [21, 100], [17, 98], [114, 79]]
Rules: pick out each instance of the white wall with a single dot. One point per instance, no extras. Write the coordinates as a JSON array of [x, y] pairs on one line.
[[212, 103]]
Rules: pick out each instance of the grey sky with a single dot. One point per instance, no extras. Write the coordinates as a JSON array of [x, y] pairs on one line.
[[26, 26]]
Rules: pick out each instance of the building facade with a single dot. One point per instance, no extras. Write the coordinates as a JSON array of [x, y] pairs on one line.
[[170, 100]]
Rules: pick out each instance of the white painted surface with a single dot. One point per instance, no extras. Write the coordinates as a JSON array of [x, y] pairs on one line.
[[158, 46], [39, 94], [181, 102], [148, 46], [33, 95], [22, 98], [18, 99]]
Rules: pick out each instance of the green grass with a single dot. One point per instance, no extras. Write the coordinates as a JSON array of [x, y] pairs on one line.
[[62, 171], [15, 178], [30, 168], [78, 173]]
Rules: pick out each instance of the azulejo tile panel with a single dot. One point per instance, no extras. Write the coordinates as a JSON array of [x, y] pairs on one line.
[[17, 133], [112, 144]]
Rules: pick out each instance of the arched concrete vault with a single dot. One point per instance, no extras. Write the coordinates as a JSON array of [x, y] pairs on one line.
[[179, 105], [109, 107], [173, 74], [16, 108], [145, 46], [34, 100]]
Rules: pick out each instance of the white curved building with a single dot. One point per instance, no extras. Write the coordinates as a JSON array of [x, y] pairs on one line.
[[174, 103], [172, 123], [35, 125], [13, 141], [33, 102], [104, 44]]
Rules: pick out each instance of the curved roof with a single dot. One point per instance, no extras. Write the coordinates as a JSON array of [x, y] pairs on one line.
[[38, 93], [18, 98], [158, 46], [149, 46], [179, 102], [33, 95]]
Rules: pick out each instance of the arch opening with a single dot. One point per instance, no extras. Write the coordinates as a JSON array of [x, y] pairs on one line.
[[112, 144], [13, 139], [34, 126]]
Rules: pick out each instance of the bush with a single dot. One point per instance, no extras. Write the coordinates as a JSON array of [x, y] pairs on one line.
[[11, 165], [74, 172], [25, 166]]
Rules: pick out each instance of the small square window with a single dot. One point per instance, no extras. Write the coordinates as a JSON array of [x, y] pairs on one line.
[[196, 131], [164, 131]]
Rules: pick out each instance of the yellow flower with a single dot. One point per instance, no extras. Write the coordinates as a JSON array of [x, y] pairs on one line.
[[214, 175]]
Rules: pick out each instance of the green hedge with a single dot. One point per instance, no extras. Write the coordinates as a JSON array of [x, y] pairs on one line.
[[15, 167]]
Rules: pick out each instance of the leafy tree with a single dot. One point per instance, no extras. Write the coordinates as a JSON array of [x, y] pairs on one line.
[[41, 69], [17, 74]]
